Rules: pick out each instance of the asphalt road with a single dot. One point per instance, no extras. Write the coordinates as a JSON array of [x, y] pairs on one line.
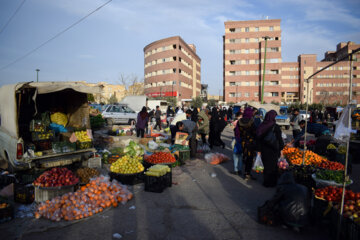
[[205, 202]]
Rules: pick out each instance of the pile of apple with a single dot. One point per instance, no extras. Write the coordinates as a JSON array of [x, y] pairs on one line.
[[351, 209], [56, 177]]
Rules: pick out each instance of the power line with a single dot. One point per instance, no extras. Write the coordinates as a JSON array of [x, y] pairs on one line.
[[57, 35], [12, 16]]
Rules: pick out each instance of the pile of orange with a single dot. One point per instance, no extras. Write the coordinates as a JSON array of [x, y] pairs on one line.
[[90, 199], [295, 156]]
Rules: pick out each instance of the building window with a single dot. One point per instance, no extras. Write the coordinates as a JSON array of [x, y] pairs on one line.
[[256, 83], [247, 50], [232, 73], [232, 29], [247, 73], [256, 29], [174, 58], [164, 59], [232, 51], [256, 39], [271, 28], [246, 94], [276, 38], [232, 40], [256, 50], [179, 47], [232, 94], [246, 29], [256, 94], [179, 70], [232, 84], [174, 46], [247, 40], [247, 61], [274, 83], [247, 83], [232, 62]]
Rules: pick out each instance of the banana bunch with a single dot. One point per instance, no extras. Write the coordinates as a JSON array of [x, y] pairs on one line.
[[82, 136], [59, 118], [127, 165], [157, 170]]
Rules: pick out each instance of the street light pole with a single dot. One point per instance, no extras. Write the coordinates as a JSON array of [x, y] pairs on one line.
[[263, 81], [37, 75]]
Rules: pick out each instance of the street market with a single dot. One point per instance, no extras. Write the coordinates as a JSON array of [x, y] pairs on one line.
[[71, 166]]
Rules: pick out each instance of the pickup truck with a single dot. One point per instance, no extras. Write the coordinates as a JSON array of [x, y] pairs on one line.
[[283, 119], [21, 103]]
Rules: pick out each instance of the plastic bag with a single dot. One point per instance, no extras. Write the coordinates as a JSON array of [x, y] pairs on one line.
[[282, 163], [215, 158], [204, 148], [153, 145], [343, 128], [258, 164]]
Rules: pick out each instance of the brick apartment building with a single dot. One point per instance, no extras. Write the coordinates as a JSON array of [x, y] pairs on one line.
[[172, 68], [243, 59]]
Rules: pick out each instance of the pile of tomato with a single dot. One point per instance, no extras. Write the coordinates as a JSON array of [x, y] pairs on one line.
[[333, 194], [160, 157], [335, 166]]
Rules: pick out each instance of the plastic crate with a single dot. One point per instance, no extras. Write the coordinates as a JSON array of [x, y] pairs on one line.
[[127, 179], [44, 194], [83, 145], [23, 193], [43, 145], [184, 155], [320, 212], [7, 213], [63, 147], [157, 184], [38, 136]]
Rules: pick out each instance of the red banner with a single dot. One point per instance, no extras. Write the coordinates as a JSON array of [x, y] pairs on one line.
[[162, 94]]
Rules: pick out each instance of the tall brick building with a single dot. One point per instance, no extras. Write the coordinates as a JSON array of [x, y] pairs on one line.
[[172, 68], [243, 58]]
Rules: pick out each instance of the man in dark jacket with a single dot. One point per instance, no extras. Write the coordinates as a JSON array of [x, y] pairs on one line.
[[291, 202], [158, 117]]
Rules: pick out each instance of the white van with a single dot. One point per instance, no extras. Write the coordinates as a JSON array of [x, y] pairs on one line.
[[20, 103], [161, 103]]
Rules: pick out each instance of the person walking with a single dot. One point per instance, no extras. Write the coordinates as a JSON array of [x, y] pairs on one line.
[[229, 114], [246, 130], [295, 119], [237, 150], [270, 143], [158, 117], [215, 129], [142, 122]]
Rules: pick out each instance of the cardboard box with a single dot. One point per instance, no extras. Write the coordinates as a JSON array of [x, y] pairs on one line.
[[180, 137]]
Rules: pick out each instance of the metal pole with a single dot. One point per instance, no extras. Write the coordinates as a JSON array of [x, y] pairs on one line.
[[306, 111], [37, 75], [263, 82]]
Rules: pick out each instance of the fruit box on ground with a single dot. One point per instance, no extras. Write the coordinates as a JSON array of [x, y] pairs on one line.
[[157, 184], [43, 194], [23, 193], [127, 179]]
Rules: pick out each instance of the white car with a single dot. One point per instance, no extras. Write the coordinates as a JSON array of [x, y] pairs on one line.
[[119, 113], [303, 115]]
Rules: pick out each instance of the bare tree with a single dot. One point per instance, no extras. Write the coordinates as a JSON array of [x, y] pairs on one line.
[[133, 86]]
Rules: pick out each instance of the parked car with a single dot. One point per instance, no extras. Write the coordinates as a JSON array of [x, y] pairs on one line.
[[283, 119], [303, 115], [119, 114]]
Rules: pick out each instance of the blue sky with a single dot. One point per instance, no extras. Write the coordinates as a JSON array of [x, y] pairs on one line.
[[110, 42]]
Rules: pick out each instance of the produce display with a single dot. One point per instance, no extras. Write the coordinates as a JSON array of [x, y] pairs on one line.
[[157, 170], [295, 156], [160, 157], [178, 147], [113, 158], [133, 149], [56, 177], [127, 165], [42, 135], [342, 149], [328, 175], [97, 121], [334, 194], [86, 173], [4, 205], [351, 210], [82, 136], [93, 198], [331, 146], [336, 166]]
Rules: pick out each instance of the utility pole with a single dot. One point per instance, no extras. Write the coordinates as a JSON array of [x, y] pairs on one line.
[[37, 75], [263, 81]]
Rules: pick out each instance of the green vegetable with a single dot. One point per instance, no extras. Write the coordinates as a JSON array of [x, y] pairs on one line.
[[336, 176]]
